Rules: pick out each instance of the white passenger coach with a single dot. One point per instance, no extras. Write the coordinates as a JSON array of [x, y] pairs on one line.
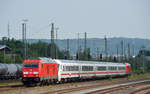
[[76, 69]]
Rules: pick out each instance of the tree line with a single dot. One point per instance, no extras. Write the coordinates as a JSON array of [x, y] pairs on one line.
[[43, 49], [39, 49]]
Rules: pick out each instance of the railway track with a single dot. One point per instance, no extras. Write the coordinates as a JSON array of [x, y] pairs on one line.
[[145, 90], [98, 88], [11, 87], [9, 84], [120, 87], [77, 87]]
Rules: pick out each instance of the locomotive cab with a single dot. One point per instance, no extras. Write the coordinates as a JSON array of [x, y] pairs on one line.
[[30, 72], [31, 69]]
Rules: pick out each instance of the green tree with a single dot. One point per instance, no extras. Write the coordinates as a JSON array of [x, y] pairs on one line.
[[4, 58]]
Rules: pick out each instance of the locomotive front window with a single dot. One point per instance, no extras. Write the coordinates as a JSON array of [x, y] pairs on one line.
[[31, 65]]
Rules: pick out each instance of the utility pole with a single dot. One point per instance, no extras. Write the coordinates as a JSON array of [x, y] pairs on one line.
[[143, 54], [125, 51], [56, 42], [121, 49], [52, 33], [128, 50], [24, 37], [78, 47], [52, 41], [85, 46], [46, 50], [25, 41], [97, 54], [133, 57], [23, 32], [106, 54], [4, 55], [133, 50], [117, 52], [8, 32], [85, 41], [67, 48]]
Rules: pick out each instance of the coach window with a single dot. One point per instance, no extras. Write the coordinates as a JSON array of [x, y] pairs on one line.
[[101, 68], [87, 68], [63, 68], [109, 68], [124, 68], [70, 68], [112, 68], [75, 68], [121, 68], [67, 68]]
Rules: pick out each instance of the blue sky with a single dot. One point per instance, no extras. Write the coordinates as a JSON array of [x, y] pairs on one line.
[[113, 18]]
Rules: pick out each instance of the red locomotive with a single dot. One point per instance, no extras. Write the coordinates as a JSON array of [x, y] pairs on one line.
[[39, 70], [47, 70]]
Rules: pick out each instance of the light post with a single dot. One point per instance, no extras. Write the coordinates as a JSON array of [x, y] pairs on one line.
[[24, 37], [106, 53], [143, 60], [56, 42]]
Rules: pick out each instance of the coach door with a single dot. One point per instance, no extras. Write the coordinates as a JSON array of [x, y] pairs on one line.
[[79, 71]]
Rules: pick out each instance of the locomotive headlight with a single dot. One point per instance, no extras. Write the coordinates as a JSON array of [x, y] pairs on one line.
[[35, 72], [25, 72]]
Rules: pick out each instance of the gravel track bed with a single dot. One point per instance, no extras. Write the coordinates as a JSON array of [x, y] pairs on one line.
[[57, 87], [121, 89]]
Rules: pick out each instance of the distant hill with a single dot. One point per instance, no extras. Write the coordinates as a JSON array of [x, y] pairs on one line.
[[94, 43]]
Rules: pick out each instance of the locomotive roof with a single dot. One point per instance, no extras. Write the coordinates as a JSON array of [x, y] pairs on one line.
[[47, 60], [44, 59], [87, 62]]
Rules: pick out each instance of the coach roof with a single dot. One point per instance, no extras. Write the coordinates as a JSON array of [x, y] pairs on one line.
[[87, 62]]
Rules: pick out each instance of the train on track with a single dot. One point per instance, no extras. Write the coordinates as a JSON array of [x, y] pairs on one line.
[[10, 71], [46, 70]]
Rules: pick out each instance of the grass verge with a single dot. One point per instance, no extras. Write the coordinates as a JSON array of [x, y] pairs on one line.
[[138, 76], [10, 84]]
